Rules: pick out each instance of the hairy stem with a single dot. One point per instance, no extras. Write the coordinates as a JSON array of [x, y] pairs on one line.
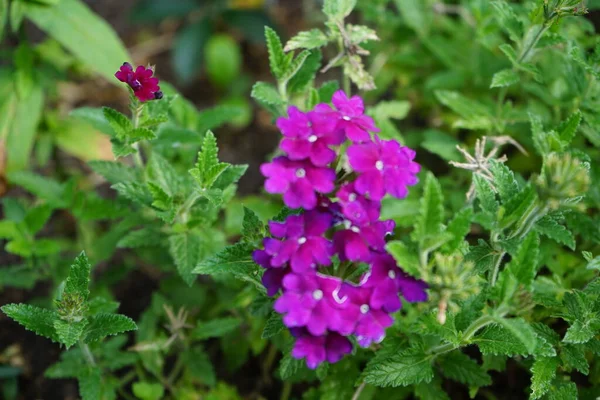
[[87, 353], [496, 269], [286, 391], [359, 390], [135, 120], [475, 326]]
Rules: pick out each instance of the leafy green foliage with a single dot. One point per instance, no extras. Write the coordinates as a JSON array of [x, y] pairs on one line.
[[215, 328], [208, 168], [411, 366]]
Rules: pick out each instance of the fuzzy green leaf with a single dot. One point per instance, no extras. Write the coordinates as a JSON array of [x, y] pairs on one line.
[[306, 74], [462, 368], [185, 250], [543, 372], [90, 384], [401, 369], [212, 118], [573, 356], [579, 332], [215, 328], [148, 391], [504, 180], [120, 124], [199, 365], [208, 168], [35, 319], [43, 187], [79, 278], [338, 9], [566, 391], [235, 259], [253, 230], [459, 227], [308, 40], [266, 94], [278, 60], [504, 78], [551, 228], [474, 114], [523, 265], [521, 330], [69, 332], [134, 191], [496, 339], [431, 214], [404, 256], [486, 195], [273, 326], [103, 325], [566, 131], [145, 237]]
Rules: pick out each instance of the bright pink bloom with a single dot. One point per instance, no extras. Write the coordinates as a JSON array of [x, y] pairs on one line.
[[383, 166], [144, 85], [317, 349]]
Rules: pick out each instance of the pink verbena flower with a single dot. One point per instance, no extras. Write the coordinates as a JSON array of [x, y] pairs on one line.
[[350, 116], [357, 208], [356, 243], [144, 85], [272, 279], [371, 322], [383, 166], [309, 136], [303, 245], [317, 349], [388, 281], [298, 181]]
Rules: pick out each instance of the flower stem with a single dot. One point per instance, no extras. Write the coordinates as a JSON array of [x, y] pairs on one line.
[[87, 353], [359, 390], [135, 120], [475, 326], [497, 263], [286, 391]]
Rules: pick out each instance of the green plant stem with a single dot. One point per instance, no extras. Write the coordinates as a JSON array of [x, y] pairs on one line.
[[359, 390], [496, 269], [87, 353], [538, 35], [475, 326], [286, 391], [135, 120], [179, 364]]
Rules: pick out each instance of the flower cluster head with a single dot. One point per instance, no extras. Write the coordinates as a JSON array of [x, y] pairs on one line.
[[144, 85], [310, 254]]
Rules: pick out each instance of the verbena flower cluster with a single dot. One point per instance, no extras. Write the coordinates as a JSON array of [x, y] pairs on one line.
[[320, 304], [144, 85]]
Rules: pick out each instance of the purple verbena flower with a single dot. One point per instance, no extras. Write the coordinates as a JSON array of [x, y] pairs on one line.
[[388, 282], [312, 301], [272, 279], [371, 322], [350, 116], [303, 245], [298, 181], [144, 85], [356, 243], [316, 349], [309, 136], [357, 208], [383, 166]]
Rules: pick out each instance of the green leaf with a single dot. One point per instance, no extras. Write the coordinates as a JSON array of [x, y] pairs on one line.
[[185, 251], [37, 217], [289, 366], [408, 367], [3, 16], [295, 65], [134, 191], [148, 391], [579, 332], [90, 384], [431, 213], [188, 49], [521, 330], [35, 319], [496, 339], [163, 174], [43, 187], [566, 131], [266, 94], [211, 118], [551, 228], [103, 325], [235, 259], [338, 9], [278, 60], [273, 326], [94, 117], [119, 123], [200, 367], [442, 144], [137, 134], [504, 78], [573, 356], [69, 332], [208, 168], [459, 227], [415, 15], [253, 230], [509, 52], [431, 391], [308, 40], [567, 391], [504, 180], [215, 328], [79, 278], [83, 33], [305, 74], [543, 372], [523, 265], [404, 256], [145, 237], [462, 368], [474, 114]]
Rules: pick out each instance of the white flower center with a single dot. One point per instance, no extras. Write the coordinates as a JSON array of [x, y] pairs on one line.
[[318, 294], [352, 197], [346, 118], [302, 240], [379, 165], [364, 308], [392, 274], [312, 138], [300, 173], [347, 224], [355, 229]]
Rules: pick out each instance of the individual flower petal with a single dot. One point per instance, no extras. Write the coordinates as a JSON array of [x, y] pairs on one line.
[[356, 207], [316, 349]]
